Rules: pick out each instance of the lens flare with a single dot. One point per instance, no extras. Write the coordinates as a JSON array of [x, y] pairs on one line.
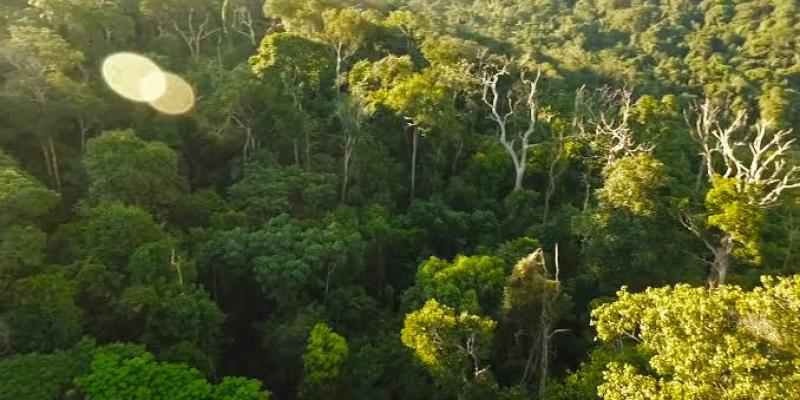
[[178, 97], [134, 77]]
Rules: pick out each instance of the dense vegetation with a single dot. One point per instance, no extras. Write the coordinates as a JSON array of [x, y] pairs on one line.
[[402, 199]]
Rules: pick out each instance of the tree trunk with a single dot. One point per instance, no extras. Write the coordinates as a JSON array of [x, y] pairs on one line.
[[414, 146], [700, 172], [587, 185], [308, 151], [721, 263], [345, 172], [51, 163], [84, 130], [530, 360], [248, 144], [520, 171], [459, 149], [328, 274], [54, 160], [47, 164], [544, 356]]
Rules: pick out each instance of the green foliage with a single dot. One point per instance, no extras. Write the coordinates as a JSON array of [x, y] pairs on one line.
[[633, 184], [21, 252], [293, 260], [23, 203], [113, 231], [169, 317], [471, 284], [22, 198], [159, 264], [733, 212], [42, 315], [222, 237], [448, 343], [622, 249], [268, 191], [37, 376], [291, 58], [325, 353], [727, 343], [121, 167], [114, 376], [583, 383], [238, 388]]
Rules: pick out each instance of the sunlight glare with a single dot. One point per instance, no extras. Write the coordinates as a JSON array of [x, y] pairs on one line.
[[134, 77], [178, 97]]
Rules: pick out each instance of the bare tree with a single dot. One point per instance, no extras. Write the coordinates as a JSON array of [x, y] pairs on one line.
[[242, 19], [604, 119], [755, 158], [352, 116], [519, 102], [195, 31]]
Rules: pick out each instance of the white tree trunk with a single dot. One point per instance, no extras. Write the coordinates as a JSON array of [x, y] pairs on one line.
[[721, 263], [414, 148]]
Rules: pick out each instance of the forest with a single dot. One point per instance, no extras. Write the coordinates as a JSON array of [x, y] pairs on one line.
[[399, 199]]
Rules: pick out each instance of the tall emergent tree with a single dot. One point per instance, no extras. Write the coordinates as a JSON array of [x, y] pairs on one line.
[[749, 170], [515, 110]]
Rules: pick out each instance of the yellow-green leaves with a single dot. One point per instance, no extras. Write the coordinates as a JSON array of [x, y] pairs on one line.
[[633, 184], [326, 351], [719, 344], [733, 212], [446, 342], [291, 58]]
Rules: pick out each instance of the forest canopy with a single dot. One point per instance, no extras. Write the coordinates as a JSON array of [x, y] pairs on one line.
[[399, 199]]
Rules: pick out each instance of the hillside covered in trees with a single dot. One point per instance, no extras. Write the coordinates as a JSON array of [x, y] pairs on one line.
[[399, 199]]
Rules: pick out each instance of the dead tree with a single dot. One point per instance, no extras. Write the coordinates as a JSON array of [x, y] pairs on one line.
[[756, 159], [602, 120], [352, 115], [506, 106], [197, 28]]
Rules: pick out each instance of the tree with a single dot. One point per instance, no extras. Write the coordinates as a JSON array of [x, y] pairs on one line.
[[506, 106], [96, 27], [122, 167], [420, 98], [294, 261], [453, 347], [172, 318], [23, 199], [326, 351], [727, 343], [235, 104], [300, 65], [23, 203], [42, 315], [42, 67], [267, 190], [140, 376], [473, 284], [242, 16], [533, 302], [37, 376], [755, 177], [113, 231], [194, 21], [634, 184]]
